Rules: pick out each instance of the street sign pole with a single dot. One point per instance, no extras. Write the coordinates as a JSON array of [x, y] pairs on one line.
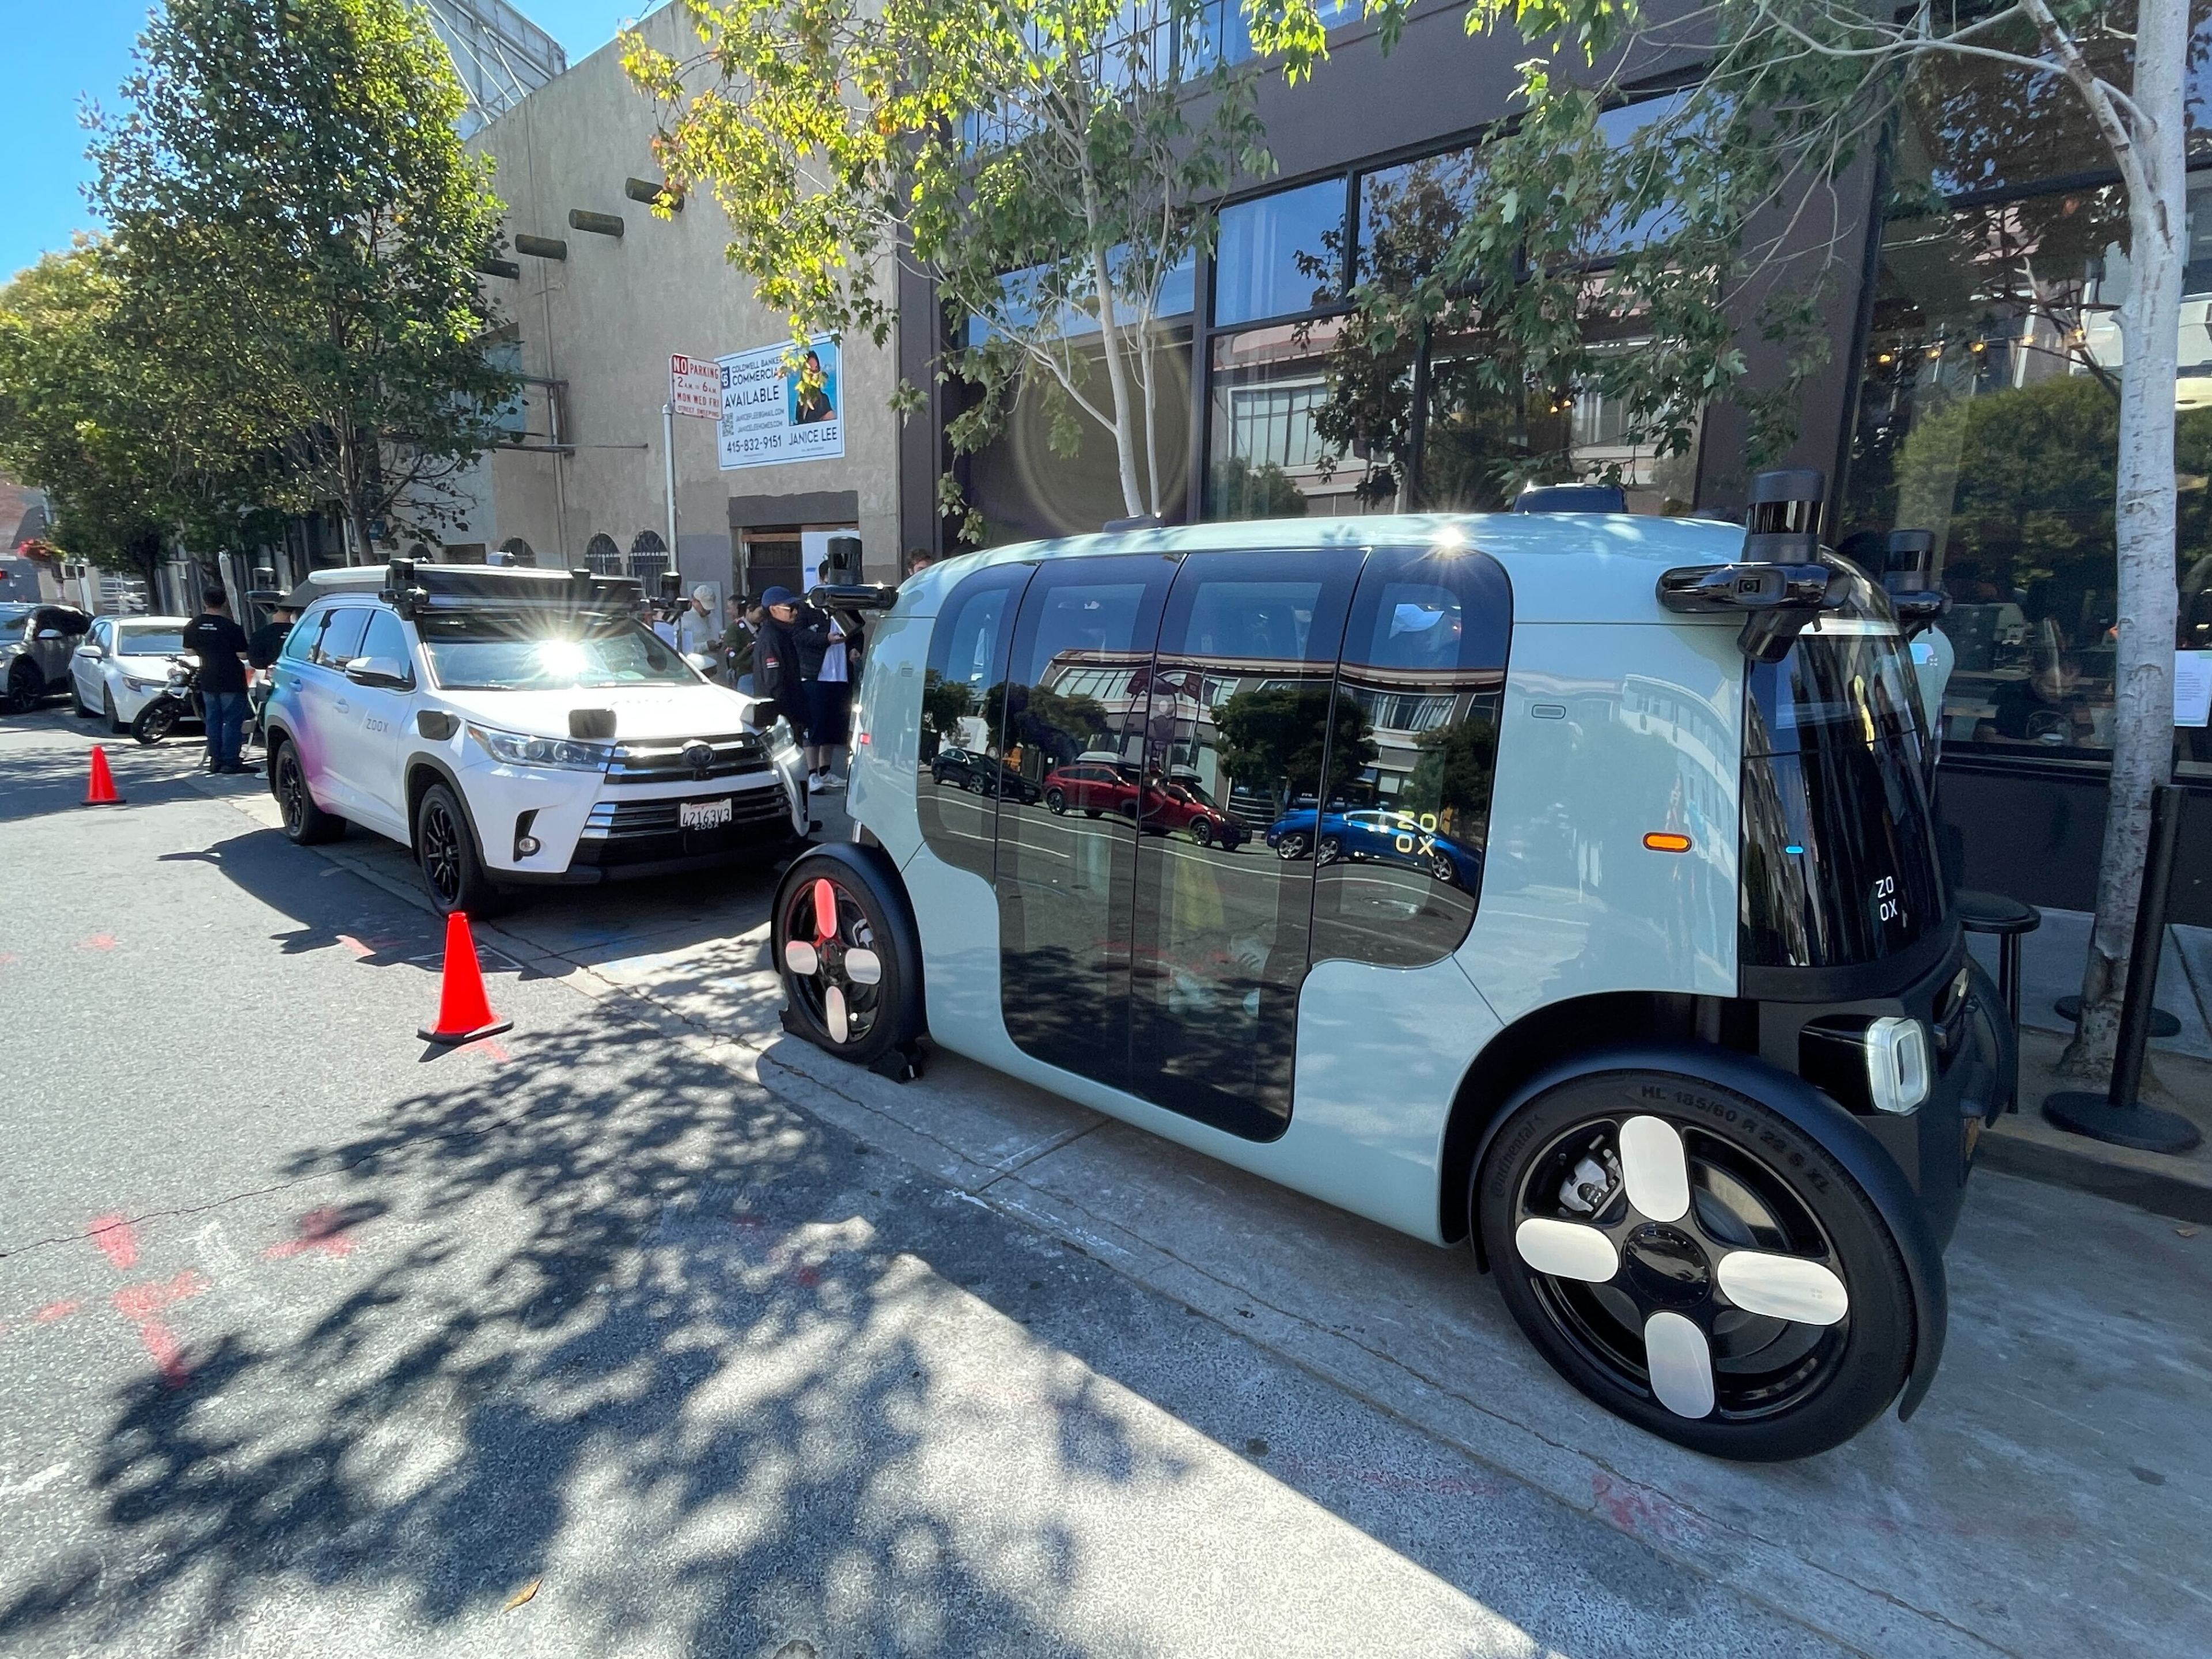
[[668, 455]]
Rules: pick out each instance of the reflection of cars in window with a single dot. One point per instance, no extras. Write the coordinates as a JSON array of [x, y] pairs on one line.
[[514, 725], [1379, 835], [1605, 933], [980, 775]]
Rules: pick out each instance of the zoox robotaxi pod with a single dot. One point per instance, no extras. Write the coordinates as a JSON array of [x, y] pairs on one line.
[[1586, 913]]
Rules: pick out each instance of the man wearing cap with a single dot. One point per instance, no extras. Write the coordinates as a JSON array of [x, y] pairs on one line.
[[785, 659], [262, 646]]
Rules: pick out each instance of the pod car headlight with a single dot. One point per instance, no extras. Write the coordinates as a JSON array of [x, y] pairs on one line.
[[564, 754], [1897, 1063]]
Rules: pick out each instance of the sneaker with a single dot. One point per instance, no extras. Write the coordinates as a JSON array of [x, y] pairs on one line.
[[831, 781]]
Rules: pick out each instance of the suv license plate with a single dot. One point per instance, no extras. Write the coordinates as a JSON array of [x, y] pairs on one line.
[[703, 814]]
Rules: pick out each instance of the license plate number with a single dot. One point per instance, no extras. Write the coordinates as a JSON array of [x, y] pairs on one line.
[[703, 814]]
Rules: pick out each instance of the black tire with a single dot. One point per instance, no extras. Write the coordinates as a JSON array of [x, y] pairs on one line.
[[82, 710], [1056, 801], [306, 824], [1774, 1387], [445, 854], [833, 1003], [1094, 812], [23, 687], [1201, 832], [1332, 849], [974, 784], [115, 724], [156, 721], [1292, 846]]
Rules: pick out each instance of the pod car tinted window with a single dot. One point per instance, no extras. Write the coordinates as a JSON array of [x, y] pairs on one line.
[[1076, 682], [1399, 831], [963, 692], [1838, 860], [1238, 703]]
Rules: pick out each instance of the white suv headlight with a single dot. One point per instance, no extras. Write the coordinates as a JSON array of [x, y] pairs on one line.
[[783, 743], [565, 754], [1897, 1063]]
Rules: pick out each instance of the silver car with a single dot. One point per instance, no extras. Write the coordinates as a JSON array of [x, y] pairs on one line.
[[36, 641]]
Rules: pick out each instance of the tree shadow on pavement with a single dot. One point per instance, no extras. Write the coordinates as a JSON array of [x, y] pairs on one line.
[[620, 1331]]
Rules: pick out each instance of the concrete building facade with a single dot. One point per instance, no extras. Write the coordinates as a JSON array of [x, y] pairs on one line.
[[598, 293]]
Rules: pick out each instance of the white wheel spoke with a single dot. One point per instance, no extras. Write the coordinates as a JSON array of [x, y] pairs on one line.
[[1681, 1364], [1567, 1250], [801, 958], [1653, 1168], [1783, 1287], [833, 1005], [864, 967]]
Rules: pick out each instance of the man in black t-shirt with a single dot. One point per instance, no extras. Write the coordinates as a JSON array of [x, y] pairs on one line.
[[219, 644]]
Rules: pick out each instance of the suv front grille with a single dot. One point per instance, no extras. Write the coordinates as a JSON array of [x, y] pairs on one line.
[[632, 832], [661, 760]]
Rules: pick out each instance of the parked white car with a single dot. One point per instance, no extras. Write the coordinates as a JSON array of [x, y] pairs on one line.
[[124, 665], [515, 727]]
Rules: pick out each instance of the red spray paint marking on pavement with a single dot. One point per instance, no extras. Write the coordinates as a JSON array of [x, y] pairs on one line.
[[360, 952], [140, 1303], [494, 1051], [97, 942], [9, 958], [318, 1229], [54, 1310], [116, 1241]]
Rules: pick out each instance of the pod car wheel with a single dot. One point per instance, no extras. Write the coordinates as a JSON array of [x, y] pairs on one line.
[[1716, 1278], [851, 970]]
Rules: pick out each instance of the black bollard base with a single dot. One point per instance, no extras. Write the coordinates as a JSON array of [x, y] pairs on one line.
[[2162, 1025], [2146, 1128]]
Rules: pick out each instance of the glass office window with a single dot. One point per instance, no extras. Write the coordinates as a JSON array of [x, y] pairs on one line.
[[1988, 414], [1280, 255], [1409, 215], [1283, 440]]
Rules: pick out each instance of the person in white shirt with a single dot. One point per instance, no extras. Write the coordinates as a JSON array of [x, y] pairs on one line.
[[696, 632], [830, 699]]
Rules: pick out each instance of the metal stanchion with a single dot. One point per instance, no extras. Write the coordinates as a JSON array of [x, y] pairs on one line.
[[2118, 1116]]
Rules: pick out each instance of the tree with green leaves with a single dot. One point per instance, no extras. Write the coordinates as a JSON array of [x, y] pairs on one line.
[[1710, 216], [127, 456], [303, 231], [1273, 737], [1046, 162]]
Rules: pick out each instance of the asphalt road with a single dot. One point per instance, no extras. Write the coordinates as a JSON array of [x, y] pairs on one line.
[[317, 1340], [313, 1340]]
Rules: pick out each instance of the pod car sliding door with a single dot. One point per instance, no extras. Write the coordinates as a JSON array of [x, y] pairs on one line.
[[1237, 730], [1071, 727]]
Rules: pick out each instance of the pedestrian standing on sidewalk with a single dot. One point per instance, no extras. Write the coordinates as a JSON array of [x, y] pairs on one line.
[[219, 644], [695, 634], [830, 707], [786, 657]]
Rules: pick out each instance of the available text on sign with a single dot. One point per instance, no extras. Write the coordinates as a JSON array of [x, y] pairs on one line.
[[771, 412], [695, 386]]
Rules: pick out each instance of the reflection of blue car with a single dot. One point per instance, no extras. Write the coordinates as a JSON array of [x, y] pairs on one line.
[[1377, 835]]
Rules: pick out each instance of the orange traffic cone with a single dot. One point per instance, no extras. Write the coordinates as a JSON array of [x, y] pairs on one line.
[[102, 791], [463, 1012]]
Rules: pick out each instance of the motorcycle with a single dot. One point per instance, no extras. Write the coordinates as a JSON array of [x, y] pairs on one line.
[[178, 701]]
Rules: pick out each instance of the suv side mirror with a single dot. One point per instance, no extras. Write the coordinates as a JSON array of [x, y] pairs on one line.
[[381, 671]]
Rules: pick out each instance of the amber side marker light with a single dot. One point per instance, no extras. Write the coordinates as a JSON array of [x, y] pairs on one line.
[[1665, 840]]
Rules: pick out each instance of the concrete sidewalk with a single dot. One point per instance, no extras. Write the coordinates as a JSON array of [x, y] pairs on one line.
[[2049, 1499], [2051, 968]]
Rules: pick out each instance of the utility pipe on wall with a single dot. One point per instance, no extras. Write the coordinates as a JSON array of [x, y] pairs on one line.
[[668, 455]]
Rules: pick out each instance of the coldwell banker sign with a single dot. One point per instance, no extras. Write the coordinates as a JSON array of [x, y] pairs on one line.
[[772, 412]]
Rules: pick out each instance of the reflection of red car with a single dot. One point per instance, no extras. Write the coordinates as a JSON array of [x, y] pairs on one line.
[[1097, 787]]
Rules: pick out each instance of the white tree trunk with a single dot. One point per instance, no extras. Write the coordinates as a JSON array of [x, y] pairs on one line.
[[1117, 371], [2143, 737]]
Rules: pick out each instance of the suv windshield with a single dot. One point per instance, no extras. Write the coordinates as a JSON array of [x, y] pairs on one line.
[[489, 650], [1839, 856], [149, 642]]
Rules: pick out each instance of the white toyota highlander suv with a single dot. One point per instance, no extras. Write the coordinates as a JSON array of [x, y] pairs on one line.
[[515, 727]]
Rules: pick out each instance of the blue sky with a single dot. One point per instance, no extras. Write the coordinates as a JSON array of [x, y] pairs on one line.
[[59, 52]]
